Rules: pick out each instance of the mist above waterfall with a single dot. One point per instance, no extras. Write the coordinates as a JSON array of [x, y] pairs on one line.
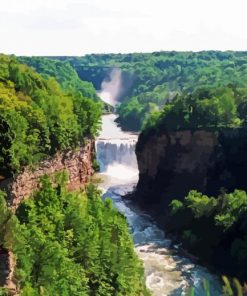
[[111, 88]]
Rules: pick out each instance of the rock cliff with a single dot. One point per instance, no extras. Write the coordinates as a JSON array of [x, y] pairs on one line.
[[77, 164], [172, 163]]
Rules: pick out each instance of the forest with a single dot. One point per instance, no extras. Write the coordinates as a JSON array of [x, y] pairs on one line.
[[64, 243], [69, 243], [153, 79], [39, 116], [205, 108], [63, 72], [213, 228], [49, 104]]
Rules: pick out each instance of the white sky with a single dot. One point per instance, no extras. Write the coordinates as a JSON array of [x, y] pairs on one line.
[[76, 27]]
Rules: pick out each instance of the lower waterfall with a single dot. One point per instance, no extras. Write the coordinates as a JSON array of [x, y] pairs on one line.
[[117, 157], [166, 271]]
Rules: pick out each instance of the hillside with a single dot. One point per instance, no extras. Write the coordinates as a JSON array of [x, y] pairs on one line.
[[38, 117], [55, 241], [149, 80], [68, 243]]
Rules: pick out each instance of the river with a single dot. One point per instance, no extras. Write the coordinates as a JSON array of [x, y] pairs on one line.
[[167, 273]]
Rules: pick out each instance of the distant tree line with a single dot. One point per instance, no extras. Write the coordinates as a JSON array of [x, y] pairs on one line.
[[157, 77]]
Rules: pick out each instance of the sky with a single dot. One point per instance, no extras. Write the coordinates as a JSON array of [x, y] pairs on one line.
[[79, 27]]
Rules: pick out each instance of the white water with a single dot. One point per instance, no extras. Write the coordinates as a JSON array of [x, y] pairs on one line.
[[111, 88], [166, 272]]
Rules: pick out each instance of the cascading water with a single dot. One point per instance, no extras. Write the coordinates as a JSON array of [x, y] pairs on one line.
[[167, 273], [116, 152], [116, 157]]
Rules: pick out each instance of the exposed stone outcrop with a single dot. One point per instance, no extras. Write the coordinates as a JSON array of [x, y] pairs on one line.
[[77, 163], [10, 283], [7, 264], [172, 163]]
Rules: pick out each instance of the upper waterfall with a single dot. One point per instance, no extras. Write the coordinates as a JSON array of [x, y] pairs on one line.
[[111, 87]]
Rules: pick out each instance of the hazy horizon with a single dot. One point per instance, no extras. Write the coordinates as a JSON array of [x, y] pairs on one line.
[[123, 53], [79, 27]]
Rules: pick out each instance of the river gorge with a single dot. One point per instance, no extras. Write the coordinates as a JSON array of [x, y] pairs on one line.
[[166, 212], [166, 271]]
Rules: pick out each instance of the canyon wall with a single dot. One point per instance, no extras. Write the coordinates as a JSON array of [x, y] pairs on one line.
[[79, 166], [172, 163], [77, 163]]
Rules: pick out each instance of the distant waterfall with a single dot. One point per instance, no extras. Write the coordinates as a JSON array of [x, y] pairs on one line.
[[111, 87]]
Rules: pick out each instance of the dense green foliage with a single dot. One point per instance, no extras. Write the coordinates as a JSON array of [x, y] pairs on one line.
[[3, 292], [161, 75], [66, 76], [71, 244], [38, 117], [210, 108], [155, 78], [6, 222], [214, 229]]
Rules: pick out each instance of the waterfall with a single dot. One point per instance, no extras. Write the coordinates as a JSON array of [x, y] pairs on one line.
[[117, 157], [111, 87], [116, 152]]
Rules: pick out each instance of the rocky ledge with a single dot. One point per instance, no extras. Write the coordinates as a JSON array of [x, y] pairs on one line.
[[77, 163]]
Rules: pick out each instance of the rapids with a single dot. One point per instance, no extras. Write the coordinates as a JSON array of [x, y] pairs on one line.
[[167, 273]]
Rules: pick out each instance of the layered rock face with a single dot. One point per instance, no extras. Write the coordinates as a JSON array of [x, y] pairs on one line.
[[172, 163], [77, 164]]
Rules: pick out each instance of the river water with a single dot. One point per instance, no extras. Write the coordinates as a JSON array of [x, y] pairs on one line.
[[167, 273]]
